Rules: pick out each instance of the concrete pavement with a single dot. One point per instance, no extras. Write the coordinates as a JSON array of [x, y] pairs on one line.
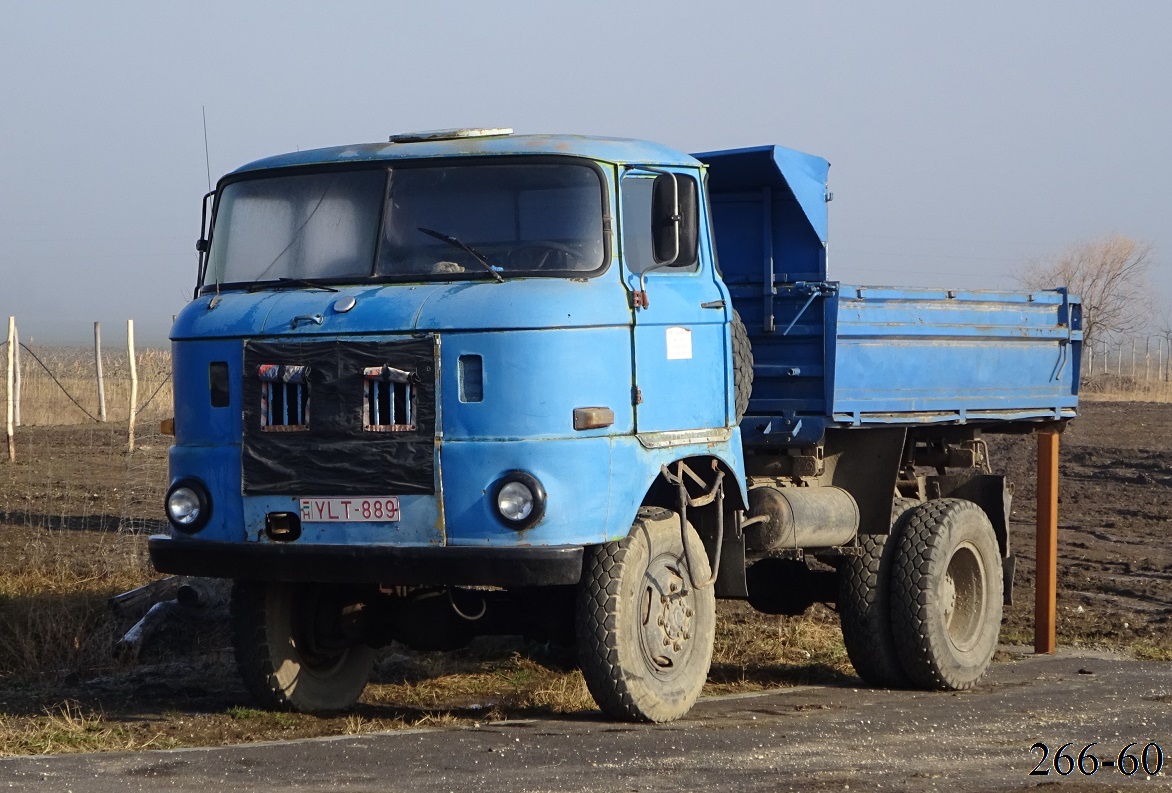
[[809, 739]]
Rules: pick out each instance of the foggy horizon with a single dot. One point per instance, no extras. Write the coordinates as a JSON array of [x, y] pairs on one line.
[[962, 143]]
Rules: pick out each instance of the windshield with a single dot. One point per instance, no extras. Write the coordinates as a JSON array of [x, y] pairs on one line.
[[471, 220]]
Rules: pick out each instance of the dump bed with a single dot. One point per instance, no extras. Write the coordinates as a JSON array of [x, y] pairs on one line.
[[829, 354]]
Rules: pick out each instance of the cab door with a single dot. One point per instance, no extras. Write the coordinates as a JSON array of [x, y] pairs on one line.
[[680, 330]]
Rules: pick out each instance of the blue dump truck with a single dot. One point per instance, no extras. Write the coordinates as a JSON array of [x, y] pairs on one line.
[[468, 382]]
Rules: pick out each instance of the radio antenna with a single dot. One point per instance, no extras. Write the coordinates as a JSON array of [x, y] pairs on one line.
[[208, 164], [206, 159]]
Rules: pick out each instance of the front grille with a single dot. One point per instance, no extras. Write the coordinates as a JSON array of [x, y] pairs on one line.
[[339, 418]]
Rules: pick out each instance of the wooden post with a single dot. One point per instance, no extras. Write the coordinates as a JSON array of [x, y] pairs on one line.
[[11, 366], [98, 367], [133, 379], [16, 385], [1046, 578]]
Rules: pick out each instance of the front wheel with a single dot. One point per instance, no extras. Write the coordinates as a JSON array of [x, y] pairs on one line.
[[290, 649], [946, 594], [644, 631]]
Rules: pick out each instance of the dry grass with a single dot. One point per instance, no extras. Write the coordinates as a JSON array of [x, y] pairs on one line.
[[1108, 388], [68, 727], [54, 618], [59, 385], [756, 651], [492, 678]]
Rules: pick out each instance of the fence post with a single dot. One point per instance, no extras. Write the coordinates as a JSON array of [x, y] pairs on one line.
[[98, 367], [133, 379], [11, 364], [16, 385]]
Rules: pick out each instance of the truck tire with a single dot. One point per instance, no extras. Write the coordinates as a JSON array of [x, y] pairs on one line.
[[946, 594], [644, 632], [279, 662], [742, 351], [864, 604]]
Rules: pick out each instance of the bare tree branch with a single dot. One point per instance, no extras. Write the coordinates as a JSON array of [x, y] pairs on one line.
[[1111, 276]]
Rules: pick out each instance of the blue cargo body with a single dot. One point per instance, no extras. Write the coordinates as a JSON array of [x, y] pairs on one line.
[[829, 354]]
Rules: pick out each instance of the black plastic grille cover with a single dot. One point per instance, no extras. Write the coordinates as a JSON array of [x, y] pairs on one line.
[[338, 456]]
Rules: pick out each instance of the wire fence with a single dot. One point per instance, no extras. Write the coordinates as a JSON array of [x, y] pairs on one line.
[[70, 469], [59, 385], [1137, 369]]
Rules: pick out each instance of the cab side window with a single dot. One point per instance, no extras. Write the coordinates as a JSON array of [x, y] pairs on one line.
[[639, 231]]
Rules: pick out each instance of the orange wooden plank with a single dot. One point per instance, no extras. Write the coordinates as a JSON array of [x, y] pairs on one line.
[[1046, 577]]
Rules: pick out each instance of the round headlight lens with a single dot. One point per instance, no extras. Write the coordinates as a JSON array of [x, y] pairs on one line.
[[183, 506], [515, 501]]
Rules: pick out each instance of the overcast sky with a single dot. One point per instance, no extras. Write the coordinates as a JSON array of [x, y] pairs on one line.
[[962, 142]]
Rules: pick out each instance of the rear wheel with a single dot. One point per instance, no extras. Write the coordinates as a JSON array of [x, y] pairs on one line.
[[946, 594], [645, 632], [864, 604], [290, 649]]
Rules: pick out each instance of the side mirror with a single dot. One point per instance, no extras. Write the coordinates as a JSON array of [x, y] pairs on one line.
[[674, 227]]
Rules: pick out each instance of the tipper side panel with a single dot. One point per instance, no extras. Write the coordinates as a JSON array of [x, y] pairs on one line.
[[913, 356]]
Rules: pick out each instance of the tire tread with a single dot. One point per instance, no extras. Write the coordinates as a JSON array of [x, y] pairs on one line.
[[598, 633], [925, 535], [864, 605]]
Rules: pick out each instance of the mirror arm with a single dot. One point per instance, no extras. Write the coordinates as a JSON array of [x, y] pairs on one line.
[[203, 244]]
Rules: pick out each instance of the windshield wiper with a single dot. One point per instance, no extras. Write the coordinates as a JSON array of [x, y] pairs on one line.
[[287, 281], [480, 257]]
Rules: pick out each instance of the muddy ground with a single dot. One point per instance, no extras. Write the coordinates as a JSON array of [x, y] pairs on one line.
[[75, 510], [1114, 528]]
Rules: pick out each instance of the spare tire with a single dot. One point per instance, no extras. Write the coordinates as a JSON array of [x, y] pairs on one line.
[[742, 352]]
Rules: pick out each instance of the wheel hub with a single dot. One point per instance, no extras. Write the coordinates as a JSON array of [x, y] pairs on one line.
[[317, 630], [962, 597], [667, 612]]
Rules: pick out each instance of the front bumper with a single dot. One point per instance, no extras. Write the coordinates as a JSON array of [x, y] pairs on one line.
[[392, 565]]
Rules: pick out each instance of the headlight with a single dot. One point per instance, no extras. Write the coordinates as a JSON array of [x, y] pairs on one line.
[[189, 506], [520, 500]]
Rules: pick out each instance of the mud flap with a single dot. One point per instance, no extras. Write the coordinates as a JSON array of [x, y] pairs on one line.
[[732, 581], [1008, 567], [990, 492]]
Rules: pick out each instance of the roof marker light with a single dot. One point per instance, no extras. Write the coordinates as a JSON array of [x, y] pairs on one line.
[[451, 134]]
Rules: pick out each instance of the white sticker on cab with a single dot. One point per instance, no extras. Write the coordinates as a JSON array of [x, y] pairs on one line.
[[679, 344]]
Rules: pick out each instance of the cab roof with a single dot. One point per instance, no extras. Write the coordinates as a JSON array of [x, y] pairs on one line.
[[611, 150]]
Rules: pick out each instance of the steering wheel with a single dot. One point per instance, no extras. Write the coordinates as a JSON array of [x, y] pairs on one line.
[[545, 256]]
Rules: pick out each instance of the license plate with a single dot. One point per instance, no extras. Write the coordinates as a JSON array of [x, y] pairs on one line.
[[356, 509]]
